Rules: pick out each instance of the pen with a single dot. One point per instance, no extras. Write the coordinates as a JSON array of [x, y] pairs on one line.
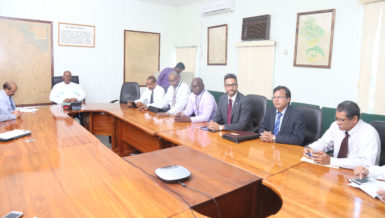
[[308, 153]]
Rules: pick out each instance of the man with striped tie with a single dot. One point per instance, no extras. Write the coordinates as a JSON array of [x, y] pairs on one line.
[[7, 105], [282, 123]]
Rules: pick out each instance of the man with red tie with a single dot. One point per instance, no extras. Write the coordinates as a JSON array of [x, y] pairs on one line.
[[355, 142], [234, 112]]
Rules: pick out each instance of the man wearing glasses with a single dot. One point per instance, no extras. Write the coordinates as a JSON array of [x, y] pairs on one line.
[[234, 111], [282, 123], [355, 142]]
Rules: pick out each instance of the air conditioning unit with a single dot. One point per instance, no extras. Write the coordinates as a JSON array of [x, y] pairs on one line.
[[217, 7]]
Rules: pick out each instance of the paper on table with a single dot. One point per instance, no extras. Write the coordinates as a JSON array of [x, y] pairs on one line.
[[371, 187], [305, 159], [27, 109]]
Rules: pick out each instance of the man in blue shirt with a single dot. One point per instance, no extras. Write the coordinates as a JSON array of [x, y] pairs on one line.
[[7, 105]]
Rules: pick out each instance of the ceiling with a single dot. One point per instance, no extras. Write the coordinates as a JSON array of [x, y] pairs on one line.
[[175, 3]]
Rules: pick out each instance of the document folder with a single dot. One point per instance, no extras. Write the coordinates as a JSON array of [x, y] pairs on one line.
[[240, 136]]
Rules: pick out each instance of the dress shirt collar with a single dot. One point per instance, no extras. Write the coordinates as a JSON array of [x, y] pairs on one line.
[[356, 128], [200, 95], [283, 112], [232, 98]]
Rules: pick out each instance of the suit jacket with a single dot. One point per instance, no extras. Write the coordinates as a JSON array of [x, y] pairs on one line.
[[292, 128], [240, 115]]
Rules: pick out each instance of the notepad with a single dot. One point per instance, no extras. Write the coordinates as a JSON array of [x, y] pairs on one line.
[[371, 187], [13, 134], [304, 159]]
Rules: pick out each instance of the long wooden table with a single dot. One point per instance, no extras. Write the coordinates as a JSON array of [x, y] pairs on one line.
[[129, 128], [302, 189], [61, 170]]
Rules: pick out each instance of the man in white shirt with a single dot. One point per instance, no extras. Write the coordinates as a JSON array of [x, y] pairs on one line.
[[152, 96], [67, 91], [176, 96], [355, 142]]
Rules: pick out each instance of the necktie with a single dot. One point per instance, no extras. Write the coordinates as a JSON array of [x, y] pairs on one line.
[[277, 122], [173, 98], [152, 97], [343, 152], [229, 110], [13, 106], [197, 101]]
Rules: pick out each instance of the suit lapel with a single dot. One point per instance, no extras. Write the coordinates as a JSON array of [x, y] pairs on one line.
[[235, 106], [285, 118]]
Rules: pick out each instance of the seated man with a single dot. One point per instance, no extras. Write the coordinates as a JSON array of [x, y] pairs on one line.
[[163, 76], [355, 142], [176, 96], [234, 112], [200, 102], [282, 123], [7, 105], [66, 91], [377, 172], [152, 96]]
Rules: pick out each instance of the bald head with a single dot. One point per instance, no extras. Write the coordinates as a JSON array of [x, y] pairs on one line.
[[174, 79], [67, 76], [10, 88], [197, 85]]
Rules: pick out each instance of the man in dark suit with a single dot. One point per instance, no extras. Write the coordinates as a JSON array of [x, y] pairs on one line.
[[283, 123], [234, 111]]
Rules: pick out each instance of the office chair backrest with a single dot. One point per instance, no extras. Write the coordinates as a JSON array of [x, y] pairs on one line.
[[58, 79], [380, 127], [130, 92], [258, 104], [313, 120]]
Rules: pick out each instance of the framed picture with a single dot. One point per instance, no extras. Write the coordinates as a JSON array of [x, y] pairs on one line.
[[314, 39], [217, 45], [76, 35]]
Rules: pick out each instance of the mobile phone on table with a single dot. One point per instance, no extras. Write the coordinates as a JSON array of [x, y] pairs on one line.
[[13, 214], [359, 181]]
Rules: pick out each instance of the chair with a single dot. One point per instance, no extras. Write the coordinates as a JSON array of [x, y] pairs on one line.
[[58, 79], [258, 105], [313, 121], [380, 127], [130, 92]]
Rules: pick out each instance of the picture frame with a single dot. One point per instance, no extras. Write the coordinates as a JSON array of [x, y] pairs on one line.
[[314, 39], [76, 35], [217, 45]]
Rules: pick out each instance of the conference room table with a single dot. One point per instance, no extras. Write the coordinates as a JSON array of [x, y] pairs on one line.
[[62, 170], [301, 189]]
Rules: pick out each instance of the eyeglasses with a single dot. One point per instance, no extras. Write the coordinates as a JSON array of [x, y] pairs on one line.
[[231, 85], [341, 120], [278, 97]]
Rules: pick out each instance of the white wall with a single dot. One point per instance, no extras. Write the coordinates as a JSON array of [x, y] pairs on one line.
[[325, 87], [101, 68]]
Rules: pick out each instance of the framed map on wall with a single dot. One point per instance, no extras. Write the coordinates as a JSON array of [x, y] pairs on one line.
[[314, 39], [26, 53]]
